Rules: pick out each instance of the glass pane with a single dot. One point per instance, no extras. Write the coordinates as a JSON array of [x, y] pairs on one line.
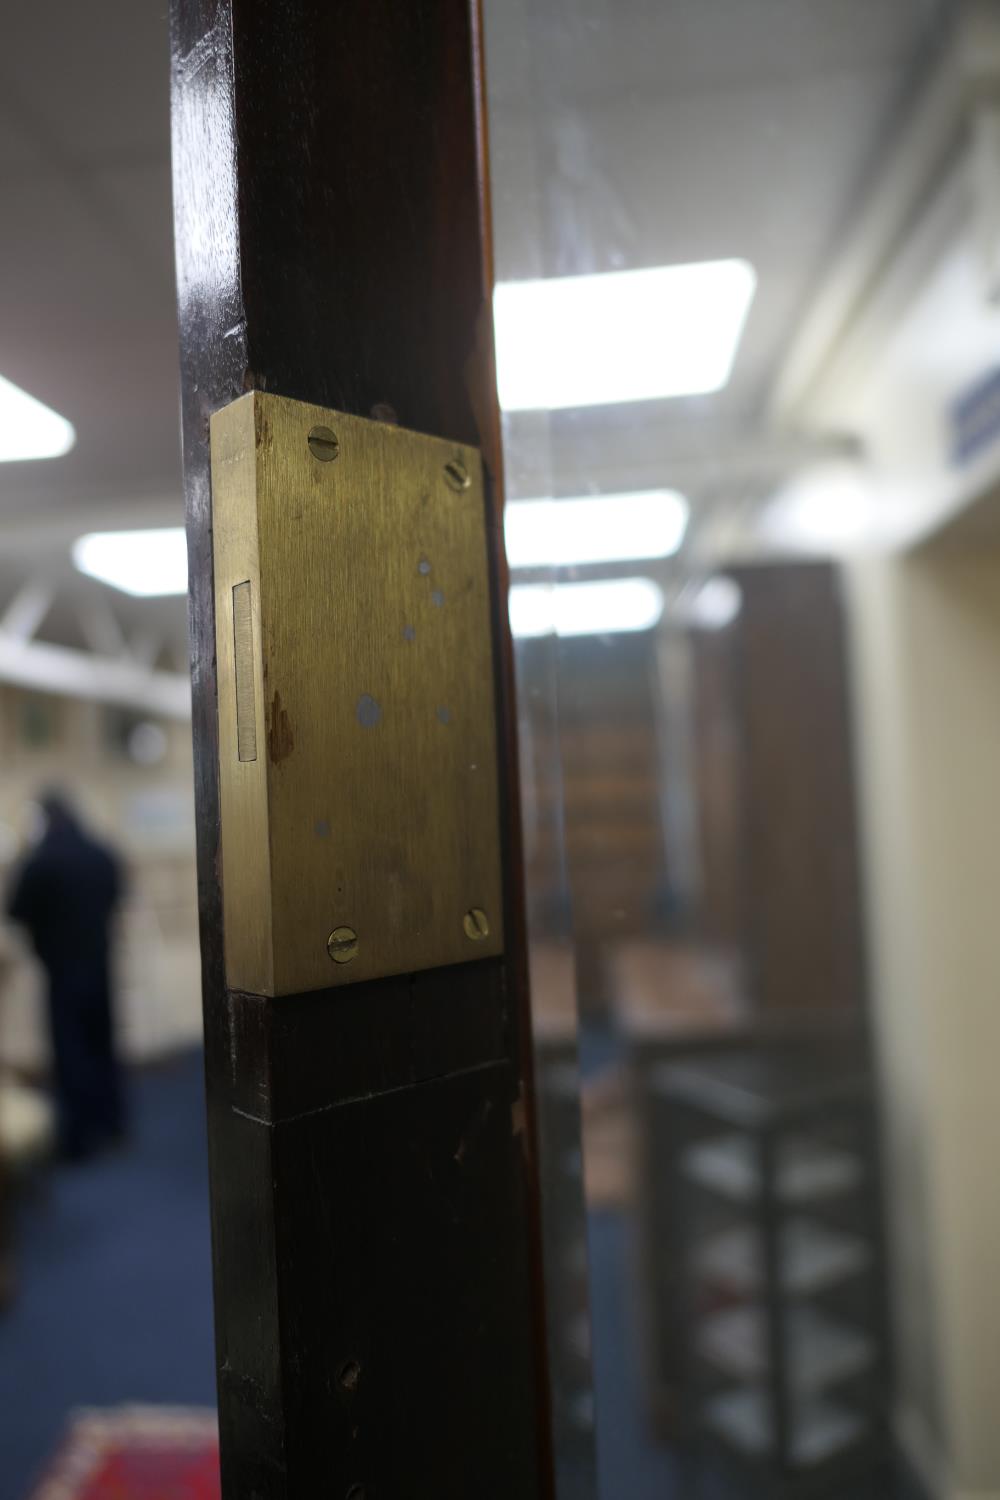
[[747, 254]]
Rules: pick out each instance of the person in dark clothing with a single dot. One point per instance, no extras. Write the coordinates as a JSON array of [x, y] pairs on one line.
[[65, 893]]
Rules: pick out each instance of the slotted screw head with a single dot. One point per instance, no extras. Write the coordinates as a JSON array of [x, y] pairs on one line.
[[457, 474], [476, 924], [342, 945], [324, 444]]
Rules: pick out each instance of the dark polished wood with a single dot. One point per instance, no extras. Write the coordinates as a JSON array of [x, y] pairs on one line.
[[379, 1317], [801, 889]]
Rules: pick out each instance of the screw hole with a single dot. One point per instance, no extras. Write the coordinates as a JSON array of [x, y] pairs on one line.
[[324, 444], [349, 1376]]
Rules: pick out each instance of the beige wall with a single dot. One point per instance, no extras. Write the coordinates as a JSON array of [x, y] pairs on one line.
[[148, 815], [926, 646]]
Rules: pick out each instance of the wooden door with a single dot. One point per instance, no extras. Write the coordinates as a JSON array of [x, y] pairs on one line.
[[377, 1271]]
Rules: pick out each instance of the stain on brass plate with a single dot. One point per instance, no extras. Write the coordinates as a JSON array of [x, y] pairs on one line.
[[354, 657], [246, 722]]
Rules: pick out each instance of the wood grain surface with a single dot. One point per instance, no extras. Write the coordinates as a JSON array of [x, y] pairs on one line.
[[379, 1318]]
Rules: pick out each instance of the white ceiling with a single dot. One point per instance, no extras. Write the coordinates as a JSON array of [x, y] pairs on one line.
[[661, 131], [87, 318], [630, 132], [86, 254]]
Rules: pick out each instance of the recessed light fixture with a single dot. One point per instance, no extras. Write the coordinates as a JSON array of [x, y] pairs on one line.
[[620, 336], [603, 607], [144, 563], [30, 429], [594, 529], [716, 603], [826, 509]]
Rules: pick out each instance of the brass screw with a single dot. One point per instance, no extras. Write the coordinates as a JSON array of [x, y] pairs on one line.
[[323, 444], [342, 945], [476, 924], [457, 474]]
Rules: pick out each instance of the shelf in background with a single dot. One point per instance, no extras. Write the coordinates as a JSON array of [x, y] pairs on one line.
[[812, 1257], [819, 1351], [820, 1428], [808, 1170]]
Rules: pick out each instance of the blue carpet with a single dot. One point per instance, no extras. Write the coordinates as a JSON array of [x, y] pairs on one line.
[[113, 1298], [629, 1462], [114, 1302]]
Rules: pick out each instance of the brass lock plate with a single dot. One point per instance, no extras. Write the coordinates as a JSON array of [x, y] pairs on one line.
[[357, 733]]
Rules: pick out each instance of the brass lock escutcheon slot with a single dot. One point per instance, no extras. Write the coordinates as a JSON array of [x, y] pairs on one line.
[[357, 733]]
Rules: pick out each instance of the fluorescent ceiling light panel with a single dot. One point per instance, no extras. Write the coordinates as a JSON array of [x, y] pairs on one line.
[[144, 563], [594, 529], [620, 336], [600, 608], [29, 429]]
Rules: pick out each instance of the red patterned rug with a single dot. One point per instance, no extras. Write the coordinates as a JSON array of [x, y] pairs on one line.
[[136, 1453]]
